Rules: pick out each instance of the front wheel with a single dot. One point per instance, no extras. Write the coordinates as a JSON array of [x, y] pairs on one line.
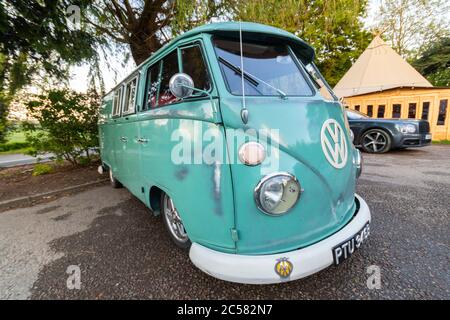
[[376, 141], [173, 223]]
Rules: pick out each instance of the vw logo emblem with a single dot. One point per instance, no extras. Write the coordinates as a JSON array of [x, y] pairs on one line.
[[334, 144]]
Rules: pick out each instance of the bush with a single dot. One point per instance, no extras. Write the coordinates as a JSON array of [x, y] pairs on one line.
[[41, 169], [13, 146], [68, 124]]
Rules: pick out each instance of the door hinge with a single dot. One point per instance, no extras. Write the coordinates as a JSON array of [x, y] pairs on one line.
[[234, 235]]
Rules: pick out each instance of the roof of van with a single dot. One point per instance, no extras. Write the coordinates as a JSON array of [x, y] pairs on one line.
[[259, 32]]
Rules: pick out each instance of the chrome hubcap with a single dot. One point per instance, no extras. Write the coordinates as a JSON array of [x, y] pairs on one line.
[[173, 220], [375, 141]]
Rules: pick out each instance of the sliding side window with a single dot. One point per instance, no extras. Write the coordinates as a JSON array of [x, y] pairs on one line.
[[130, 96], [117, 102]]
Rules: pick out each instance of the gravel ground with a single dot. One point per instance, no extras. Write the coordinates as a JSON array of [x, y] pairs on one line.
[[123, 251]]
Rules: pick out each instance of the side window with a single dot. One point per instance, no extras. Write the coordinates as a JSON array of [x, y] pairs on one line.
[[151, 86], [194, 65], [412, 110], [130, 96], [117, 102], [381, 109], [396, 110], [425, 110], [370, 110], [169, 68], [442, 112]]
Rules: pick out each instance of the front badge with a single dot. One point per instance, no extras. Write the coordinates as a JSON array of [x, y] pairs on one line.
[[334, 144], [283, 267]]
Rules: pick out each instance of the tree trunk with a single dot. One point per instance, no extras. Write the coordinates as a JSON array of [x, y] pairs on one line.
[[143, 40], [142, 47]]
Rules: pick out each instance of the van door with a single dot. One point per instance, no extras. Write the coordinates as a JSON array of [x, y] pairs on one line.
[[130, 131], [202, 192], [116, 140]]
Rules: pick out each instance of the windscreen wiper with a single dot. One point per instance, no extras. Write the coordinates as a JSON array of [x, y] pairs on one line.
[[254, 80]]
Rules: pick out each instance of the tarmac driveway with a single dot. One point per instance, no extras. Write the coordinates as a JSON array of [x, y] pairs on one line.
[[122, 250]]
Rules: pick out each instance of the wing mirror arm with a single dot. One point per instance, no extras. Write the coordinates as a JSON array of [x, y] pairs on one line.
[[182, 86], [195, 89]]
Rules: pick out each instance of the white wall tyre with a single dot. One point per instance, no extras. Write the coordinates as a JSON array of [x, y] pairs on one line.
[[173, 223]]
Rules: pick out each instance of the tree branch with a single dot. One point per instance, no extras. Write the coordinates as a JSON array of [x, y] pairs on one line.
[[107, 31]]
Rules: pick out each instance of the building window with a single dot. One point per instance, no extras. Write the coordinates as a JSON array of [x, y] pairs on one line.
[[442, 112], [396, 110], [357, 107], [381, 110], [412, 110], [370, 110], [130, 96], [425, 110]]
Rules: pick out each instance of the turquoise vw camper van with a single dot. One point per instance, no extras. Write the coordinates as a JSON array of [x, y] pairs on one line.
[[232, 135]]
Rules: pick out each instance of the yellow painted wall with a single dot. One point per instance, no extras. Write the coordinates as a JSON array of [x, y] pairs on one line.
[[405, 97]]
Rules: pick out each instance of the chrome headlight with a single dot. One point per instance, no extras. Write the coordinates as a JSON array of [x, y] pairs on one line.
[[358, 162], [277, 193], [406, 128]]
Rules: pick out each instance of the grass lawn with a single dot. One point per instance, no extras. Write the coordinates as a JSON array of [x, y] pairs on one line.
[[15, 151], [442, 142], [15, 136]]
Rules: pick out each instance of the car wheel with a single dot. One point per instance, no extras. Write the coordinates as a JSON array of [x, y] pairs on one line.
[[376, 141], [173, 222], [114, 182]]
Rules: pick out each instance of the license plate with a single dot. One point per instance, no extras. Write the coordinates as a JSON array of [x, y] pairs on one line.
[[345, 249], [428, 137]]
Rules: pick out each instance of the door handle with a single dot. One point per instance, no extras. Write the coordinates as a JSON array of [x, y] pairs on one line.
[[123, 139], [142, 140]]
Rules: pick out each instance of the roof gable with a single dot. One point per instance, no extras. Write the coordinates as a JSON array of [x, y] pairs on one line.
[[379, 68]]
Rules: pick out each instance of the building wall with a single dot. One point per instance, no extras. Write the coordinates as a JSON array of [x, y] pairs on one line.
[[407, 98]]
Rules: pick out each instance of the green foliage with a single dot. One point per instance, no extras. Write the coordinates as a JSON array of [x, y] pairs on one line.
[[68, 121], [410, 24], [145, 26], [333, 28], [36, 40], [84, 161], [42, 168], [434, 63], [4, 102]]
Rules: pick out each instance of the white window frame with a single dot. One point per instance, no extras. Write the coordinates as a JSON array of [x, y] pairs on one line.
[[131, 103], [118, 92]]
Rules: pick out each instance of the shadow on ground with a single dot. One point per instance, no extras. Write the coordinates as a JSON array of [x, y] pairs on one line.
[[126, 254]]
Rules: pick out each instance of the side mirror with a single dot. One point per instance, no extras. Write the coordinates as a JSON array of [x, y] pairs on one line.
[[181, 85]]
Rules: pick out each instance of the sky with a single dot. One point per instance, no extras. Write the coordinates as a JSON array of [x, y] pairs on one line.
[[79, 75]]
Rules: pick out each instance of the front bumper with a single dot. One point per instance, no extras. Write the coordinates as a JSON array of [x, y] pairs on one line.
[[415, 140], [260, 269]]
